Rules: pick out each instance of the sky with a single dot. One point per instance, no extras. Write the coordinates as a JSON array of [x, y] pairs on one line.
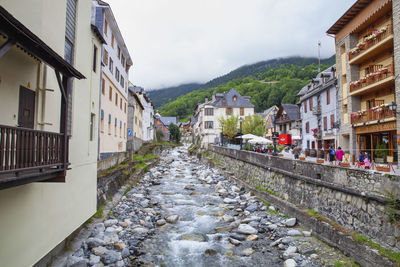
[[173, 42]]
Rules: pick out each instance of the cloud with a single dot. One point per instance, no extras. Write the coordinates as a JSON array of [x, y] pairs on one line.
[[178, 41]]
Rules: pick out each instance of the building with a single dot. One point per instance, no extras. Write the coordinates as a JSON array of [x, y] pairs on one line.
[[367, 40], [268, 117], [49, 95], [319, 111], [162, 132], [168, 120], [135, 121], [207, 129], [148, 116], [288, 124], [114, 82]]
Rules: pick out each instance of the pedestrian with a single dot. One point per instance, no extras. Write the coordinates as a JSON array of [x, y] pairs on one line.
[[361, 157], [367, 162], [339, 154], [331, 152], [296, 152]]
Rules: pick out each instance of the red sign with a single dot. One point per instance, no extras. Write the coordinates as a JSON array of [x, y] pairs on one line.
[[285, 139]]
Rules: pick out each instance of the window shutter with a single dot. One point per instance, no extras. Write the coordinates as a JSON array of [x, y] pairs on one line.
[[305, 106], [332, 120], [325, 123], [109, 118], [120, 124], [328, 97], [116, 121], [311, 105], [102, 114]]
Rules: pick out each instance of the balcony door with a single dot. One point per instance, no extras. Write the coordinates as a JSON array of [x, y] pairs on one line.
[[26, 109]]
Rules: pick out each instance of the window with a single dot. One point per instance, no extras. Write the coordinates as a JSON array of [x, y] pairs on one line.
[[111, 66], [94, 58], [124, 130], [115, 127], [112, 40], [325, 123], [109, 124], [280, 128], [290, 126], [119, 53], [120, 128], [102, 121], [305, 106], [122, 82], [241, 111], [332, 121], [209, 112], [307, 127], [117, 74], [310, 102], [92, 122], [105, 27], [228, 111], [110, 93], [135, 119], [120, 103], [116, 99], [208, 124], [105, 57], [125, 108], [328, 97], [122, 60], [103, 86]]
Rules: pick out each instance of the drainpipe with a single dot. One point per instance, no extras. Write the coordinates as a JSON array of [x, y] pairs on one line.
[[43, 94]]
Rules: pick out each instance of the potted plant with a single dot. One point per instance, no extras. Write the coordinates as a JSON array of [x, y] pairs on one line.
[[302, 158], [382, 168], [380, 152], [320, 161], [344, 164]]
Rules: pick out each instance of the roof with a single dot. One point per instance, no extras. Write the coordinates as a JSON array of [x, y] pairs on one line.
[[168, 120], [355, 9], [292, 111], [266, 112], [98, 33], [324, 80], [232, 99], [14, 30], [133, 93]]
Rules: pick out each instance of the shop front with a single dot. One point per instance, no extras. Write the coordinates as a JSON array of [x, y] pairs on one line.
[[379, 141]]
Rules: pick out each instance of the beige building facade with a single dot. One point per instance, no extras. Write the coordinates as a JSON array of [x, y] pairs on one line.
[[48, 125]]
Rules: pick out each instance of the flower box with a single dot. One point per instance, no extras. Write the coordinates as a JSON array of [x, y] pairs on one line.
[[280, 155], [383, 168], [320, 161], [302, 158], [345, 164]]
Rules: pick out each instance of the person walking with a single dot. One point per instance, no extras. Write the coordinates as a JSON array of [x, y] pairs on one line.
[[331, 152], [296, 152], [339, 154]]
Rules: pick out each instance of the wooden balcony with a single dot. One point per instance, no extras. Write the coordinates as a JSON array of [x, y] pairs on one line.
[[371, 116], [28, 155], [379, 80], [373, 47]]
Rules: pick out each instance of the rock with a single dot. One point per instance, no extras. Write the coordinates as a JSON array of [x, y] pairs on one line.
[[94, 259], [100, 227], [73, 261], [125, 223], [246, 229], [222, 229], [252, 208], [94, 242], [189, 187], [251, 219], [99, 251], [294, 232], [161, 222], [272, 227], [252, 237], [227, 218], [194, 193], [308, 252], [110, 222], [210, 252], [125, 253], [201, 213], [234, 188], [119, 246], [138, 195], [290, 222], [271, 208], [286, 240], [307, 233], [168, 193], [194, 237], [276, 242], [290, 250], [234, 241], [111, 256], [120, 264], [247, 252], [172, 218], [219, 213], [281, 246], [230, 201], [140, 230], [290, 263], [314, 256]]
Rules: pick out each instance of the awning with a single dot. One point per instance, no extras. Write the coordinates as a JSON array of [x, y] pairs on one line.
[[18, 34], [296, 137]]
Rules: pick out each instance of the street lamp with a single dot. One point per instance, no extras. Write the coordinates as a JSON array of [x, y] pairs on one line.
[[240, 132], [222, 134], [393, 107], [274, 137]]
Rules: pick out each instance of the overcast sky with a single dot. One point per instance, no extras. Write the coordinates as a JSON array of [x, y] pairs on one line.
[[179, 41]]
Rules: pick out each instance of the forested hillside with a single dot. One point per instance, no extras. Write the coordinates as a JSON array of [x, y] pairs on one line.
[[273, 87], [162, 96]]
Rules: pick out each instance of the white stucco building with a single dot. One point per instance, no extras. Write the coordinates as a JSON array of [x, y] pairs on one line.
[[148, 116], [207, 129], [319, 111]]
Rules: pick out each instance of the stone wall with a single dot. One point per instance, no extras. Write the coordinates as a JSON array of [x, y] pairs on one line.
[[355, 199], [111, 161]]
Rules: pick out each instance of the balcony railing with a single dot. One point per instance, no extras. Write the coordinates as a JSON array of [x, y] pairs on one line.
[[376, 113], [367, 44], [378, 74], [30, 153]]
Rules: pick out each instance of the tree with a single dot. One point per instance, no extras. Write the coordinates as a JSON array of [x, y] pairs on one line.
[[254, 125], [230, 126], [175, 133]]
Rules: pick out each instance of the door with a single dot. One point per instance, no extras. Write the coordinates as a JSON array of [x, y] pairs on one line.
[[26, 109]]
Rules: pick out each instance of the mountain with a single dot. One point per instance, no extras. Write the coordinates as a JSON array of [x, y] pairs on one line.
[[279, 84], [162, 96]]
